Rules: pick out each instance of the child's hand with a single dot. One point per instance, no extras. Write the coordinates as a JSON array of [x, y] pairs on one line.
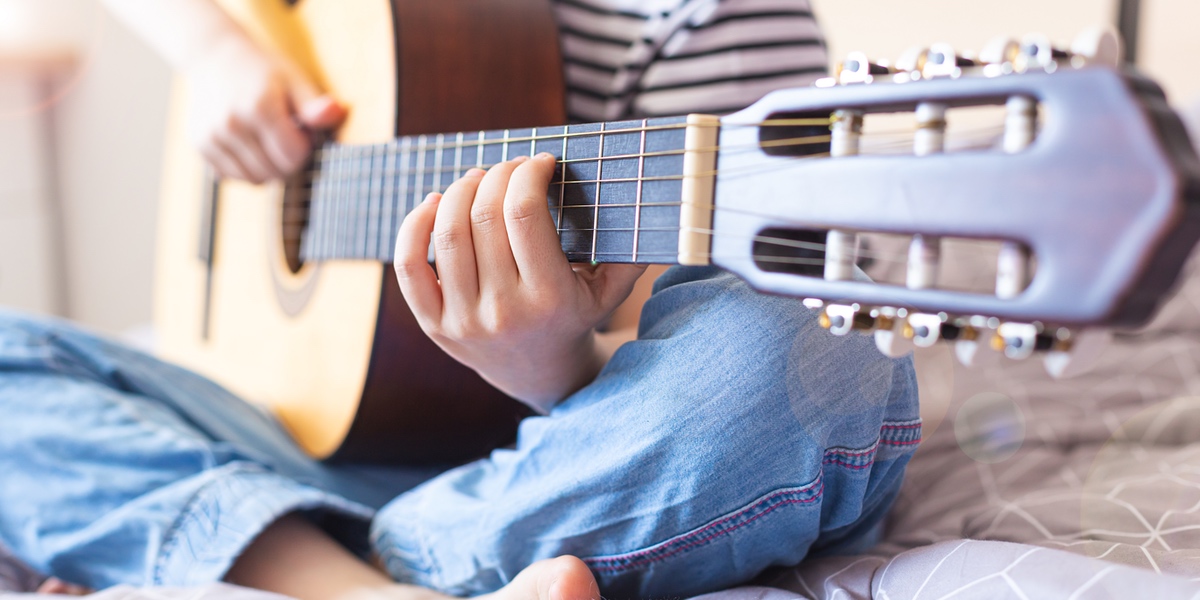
[[504, 300], [252, 111]]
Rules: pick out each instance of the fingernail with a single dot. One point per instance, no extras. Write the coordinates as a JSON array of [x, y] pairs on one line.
[[475, 173], [431, 197], [520, 159], [545, 155]]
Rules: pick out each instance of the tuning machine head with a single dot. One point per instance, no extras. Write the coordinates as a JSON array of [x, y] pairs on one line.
[[855, 69], [978, 340]]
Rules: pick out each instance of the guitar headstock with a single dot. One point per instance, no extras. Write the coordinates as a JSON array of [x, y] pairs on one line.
[[1087, 192]]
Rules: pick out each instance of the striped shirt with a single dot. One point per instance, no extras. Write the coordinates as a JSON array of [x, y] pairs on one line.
[[645, 58]]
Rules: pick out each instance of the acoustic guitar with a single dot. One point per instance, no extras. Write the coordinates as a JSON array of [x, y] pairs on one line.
[[284, 293]]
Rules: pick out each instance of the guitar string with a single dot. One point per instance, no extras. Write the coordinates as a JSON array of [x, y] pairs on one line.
[[405, 171], [363, 151], [808, 140], [763, 239], [964, 244], [396, 143]]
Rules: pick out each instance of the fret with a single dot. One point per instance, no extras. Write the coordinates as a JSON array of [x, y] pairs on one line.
[[583, 155], [328, 212], [533, 134], [562, 188], [438, 151], [406, 156], [599, 176], [387, 203], [370, 243], [458, 152], [479, 150], [362, 189], [419, 173], [505, 145], [641, 171], [343, 201], [493, 152], [663, 189], [619, 183]]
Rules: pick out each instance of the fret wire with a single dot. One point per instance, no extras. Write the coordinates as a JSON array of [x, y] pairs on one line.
[[364, 201], [405, 147], [504, 155], [419, 191], [389, 206], [533, 141], [437, 163], [637, 211], [479, 151], [599, 177], [343, 203], [355, 198], [331, 206], [344, 221], [562, 190], [371, 243], [458, 155]]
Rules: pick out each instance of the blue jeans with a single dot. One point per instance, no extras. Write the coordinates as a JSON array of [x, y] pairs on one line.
[[733, 435]]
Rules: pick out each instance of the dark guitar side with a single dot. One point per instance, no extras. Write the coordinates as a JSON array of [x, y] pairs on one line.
[[462, 65]]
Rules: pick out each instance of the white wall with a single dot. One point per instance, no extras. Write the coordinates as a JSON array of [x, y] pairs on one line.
[[90, 144], [109, 139]]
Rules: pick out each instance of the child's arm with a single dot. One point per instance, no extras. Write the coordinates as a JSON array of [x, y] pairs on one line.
[[504, 300], [250, 108]]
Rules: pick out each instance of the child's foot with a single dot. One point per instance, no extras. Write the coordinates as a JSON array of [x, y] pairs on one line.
[[59, 587], [562, 578]]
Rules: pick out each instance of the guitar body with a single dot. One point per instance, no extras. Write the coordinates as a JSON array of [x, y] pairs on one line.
[[331, 347]]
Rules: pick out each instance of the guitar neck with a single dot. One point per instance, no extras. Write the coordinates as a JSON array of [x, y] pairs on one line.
[[625, 191]]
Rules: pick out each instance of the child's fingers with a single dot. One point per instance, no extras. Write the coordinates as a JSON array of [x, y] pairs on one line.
[[493, 256], [418, 282], [531, 231], [453, 246]]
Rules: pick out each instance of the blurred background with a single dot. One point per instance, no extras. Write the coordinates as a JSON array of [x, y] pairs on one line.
[[83, 106]]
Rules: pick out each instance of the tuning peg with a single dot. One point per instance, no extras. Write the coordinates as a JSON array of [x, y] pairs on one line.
[[841, 319], [1097, 46], [1016, 340], [1077, 353], [925, 330], [1038, 53], [890, 330], [857, 68], [941, 60]]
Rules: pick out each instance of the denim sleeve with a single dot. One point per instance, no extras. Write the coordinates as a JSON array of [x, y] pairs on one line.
[[733, 436]]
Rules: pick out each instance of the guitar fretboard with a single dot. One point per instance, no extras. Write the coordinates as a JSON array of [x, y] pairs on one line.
[[615, 196]]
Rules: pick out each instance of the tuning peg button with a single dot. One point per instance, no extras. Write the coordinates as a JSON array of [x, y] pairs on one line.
[[841, 319]]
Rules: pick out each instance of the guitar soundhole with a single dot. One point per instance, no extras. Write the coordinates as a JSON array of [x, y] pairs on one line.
[[297, 194]]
